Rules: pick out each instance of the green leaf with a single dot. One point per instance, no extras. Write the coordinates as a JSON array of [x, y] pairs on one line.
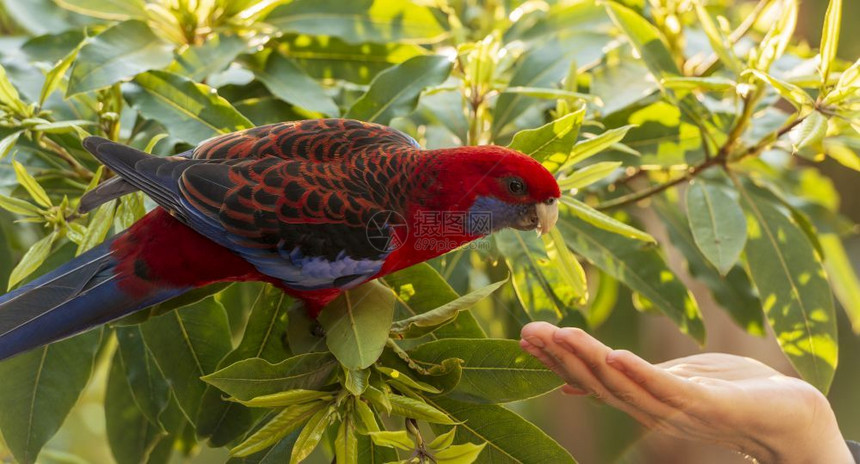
[[571, 271], [830, 38], [466, 453], [400, 379], [216, 54], [551, 143], [100, 223], [810, 131], [280, 426], [718, 224], [113, 10], [287, 398], [721, 44], [399, 439], [29, 183], [223, 421], [734, 292], [395, 91], [494, 370], [359, 21], [39, 389], [331, 58], [419, 289], [843, 278], [131, 435], [9, 96], [357, 323], [356, 381], [365, 417], [311, 434], [645, 38], [430, 320], [187, 344], [509, 438], [540, 286], [714, 83], [542, 66], [287, 81], [405, 406], [119, 52], [193, 112], [774, 43], [638, 266], [54, 77], [588, 148], [346, 443], [552, 94], [602, 221], [794, 94], [793, 286], [18, 206], [8, 142], [443, 440], [148, 386], [256, 377], [588, 175], [32, 259]]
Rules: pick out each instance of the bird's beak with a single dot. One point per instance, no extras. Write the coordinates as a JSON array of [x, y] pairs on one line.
[[547, 214]]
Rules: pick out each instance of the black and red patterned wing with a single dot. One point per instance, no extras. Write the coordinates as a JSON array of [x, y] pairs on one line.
[[316, 140]]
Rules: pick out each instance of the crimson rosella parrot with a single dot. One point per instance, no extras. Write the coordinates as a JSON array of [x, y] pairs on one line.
[[301, 205]]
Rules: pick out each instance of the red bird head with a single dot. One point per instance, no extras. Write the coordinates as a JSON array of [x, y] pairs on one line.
[[510, 188]]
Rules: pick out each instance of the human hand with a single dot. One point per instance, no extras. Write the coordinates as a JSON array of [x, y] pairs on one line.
[[720, 398]]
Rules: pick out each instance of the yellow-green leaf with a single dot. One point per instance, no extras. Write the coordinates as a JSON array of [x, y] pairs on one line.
[[588, 175], [598, 219], [29, 183], [830, 38], [34, 258], [286, 398], [282, 424], [588, 148], [843, 279], [311, 434], [399, 439]]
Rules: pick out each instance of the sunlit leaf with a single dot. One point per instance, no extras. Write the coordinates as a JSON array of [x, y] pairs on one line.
[[588, 175], [32, 259], [830, 37], [120, 52], [395, 92], [645, 38], [794, 94], [359, 20], [794, 291], [551, 143], [810, 132], [718, 224], [193, 112], [608, 223], [590, 147], [117, 10]]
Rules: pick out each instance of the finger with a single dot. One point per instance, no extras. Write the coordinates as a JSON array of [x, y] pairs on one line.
[[535, 337], [668, 388], [568, 389], [575, 371], [594, 355]]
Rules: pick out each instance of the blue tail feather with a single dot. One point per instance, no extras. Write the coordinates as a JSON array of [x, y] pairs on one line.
[[78, 295]]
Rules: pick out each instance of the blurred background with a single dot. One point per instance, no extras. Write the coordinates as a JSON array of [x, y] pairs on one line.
[[592, 432]]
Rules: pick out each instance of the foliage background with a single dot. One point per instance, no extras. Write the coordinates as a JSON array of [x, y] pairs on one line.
[[283, 90]]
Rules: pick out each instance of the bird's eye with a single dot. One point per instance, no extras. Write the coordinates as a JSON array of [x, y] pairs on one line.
[[516, 186]]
